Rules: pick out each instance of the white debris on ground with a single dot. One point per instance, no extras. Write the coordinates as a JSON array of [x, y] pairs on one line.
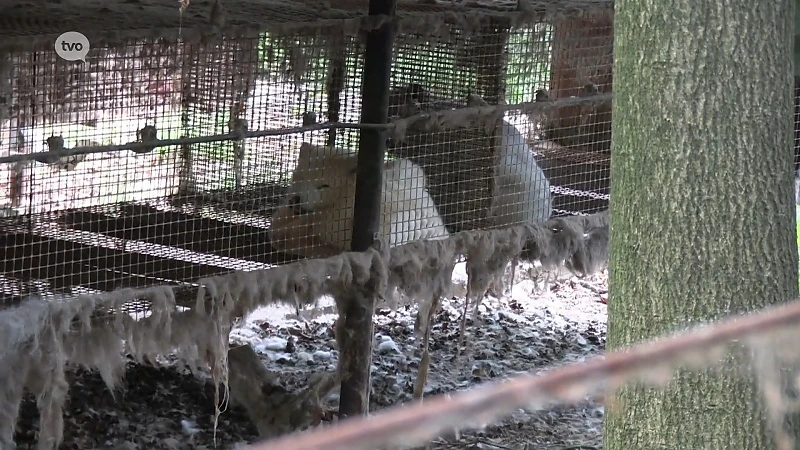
[[169, 408]]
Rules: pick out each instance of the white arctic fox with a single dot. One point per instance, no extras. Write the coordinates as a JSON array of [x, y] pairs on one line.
[[315, 217], [520, 189]]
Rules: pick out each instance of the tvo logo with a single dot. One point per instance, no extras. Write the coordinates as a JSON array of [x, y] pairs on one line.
[[72, 46]]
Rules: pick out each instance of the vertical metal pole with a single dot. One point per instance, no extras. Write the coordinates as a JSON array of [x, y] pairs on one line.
[[357, 357], [335, 85]]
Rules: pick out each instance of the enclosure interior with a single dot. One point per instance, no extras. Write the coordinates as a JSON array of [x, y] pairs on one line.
[[177, 213]]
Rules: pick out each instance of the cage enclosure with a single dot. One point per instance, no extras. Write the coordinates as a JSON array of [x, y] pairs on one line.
[[168, 152], [111, 219]]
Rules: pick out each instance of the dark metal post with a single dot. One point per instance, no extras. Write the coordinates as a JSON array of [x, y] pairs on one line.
[[357, 356], [336, 77]]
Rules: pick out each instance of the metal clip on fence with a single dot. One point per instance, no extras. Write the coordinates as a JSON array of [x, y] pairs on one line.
[[146, 135]]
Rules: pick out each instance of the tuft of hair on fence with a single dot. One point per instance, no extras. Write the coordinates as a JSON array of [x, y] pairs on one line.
[[204, 156], [768, 335]]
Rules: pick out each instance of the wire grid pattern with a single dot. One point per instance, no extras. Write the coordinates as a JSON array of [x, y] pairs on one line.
[[122, 219], [176, 214], [457, 161], [566, 57], [102, 102]]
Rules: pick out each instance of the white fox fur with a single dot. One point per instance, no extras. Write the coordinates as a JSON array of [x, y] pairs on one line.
[[520, 189], [315, 217]]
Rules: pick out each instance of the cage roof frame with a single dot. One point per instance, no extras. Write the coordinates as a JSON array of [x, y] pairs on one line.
[[29, 27]]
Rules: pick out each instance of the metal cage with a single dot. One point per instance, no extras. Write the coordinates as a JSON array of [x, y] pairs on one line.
[[108, 220]]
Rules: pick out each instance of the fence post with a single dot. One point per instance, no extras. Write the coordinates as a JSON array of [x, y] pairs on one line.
[[356, 359]]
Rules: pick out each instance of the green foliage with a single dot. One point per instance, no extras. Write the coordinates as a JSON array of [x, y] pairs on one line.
[[798, 225], [529, 57]]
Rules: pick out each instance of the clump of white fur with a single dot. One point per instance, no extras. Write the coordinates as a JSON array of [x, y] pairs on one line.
[[520, 189], [315, 217]]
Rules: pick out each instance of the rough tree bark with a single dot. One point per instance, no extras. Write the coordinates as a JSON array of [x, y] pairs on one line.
[[702, 208]]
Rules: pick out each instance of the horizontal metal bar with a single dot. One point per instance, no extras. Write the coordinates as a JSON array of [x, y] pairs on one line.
[[233, 136], [193, 140]]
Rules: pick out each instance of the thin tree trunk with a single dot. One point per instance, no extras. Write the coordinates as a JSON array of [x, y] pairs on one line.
[[702, 211]]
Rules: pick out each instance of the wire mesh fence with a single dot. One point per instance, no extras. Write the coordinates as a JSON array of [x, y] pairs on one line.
[[172, 214], [78, 223], [488, 129], [103, 221]]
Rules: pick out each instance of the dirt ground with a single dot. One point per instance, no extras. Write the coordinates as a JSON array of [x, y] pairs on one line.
[[169, 408]]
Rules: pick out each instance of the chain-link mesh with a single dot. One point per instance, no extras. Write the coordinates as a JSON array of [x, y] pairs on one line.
[[107, 220]]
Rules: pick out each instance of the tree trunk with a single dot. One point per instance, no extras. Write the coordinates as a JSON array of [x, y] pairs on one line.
[[702, 211]]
